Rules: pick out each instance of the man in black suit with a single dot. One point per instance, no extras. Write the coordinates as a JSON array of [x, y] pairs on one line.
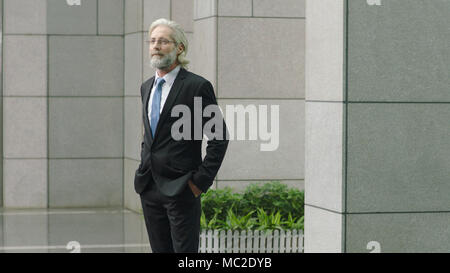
[[172, 174]]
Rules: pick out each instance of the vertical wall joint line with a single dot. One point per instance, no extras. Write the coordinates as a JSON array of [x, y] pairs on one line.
[[1, 93], [345, 69]]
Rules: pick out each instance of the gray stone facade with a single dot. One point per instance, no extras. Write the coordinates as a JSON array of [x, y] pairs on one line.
[[377, 126]]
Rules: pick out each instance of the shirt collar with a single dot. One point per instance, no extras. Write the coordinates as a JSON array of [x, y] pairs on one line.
[[169, 78]]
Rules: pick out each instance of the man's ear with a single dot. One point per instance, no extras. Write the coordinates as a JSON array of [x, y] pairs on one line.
[[180, 49]]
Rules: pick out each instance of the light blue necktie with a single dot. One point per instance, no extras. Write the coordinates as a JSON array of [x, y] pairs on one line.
[[156, 105]]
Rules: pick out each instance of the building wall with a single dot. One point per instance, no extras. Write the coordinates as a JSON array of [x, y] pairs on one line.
[[24, 104], [377, 145], [63, 103]]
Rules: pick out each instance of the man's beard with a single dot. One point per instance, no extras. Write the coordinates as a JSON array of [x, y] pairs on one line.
[[165, 61]]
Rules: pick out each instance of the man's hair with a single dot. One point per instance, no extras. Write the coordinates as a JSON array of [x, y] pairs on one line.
[[178, 35]]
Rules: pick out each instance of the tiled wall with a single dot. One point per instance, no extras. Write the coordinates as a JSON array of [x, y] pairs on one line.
[[63, 103], [378, 151], [398, 125]]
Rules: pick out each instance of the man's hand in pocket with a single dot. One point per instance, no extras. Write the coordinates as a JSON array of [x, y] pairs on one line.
[[196, 191]]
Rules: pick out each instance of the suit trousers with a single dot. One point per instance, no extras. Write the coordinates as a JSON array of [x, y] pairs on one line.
[[173, 223]]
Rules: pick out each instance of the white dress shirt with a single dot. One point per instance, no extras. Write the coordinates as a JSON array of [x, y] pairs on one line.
[[169, 79]]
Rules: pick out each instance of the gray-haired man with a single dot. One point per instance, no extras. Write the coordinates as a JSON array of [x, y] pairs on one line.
[[172, 173]]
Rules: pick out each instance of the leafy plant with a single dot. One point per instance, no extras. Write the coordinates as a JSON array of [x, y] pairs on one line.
[[274, 204], [214, 223], [268, 221], [217, 202], [235, 222], [272, 197], [294, 223]]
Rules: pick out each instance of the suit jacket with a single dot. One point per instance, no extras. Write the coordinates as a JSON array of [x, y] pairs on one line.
[[170, 163]]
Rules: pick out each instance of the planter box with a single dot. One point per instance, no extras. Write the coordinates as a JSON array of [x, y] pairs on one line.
[[248, 241]]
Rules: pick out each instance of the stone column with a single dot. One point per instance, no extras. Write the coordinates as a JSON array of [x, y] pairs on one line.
[[377, 126]]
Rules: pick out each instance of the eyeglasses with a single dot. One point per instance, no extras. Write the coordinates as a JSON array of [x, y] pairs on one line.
[[163, 42]]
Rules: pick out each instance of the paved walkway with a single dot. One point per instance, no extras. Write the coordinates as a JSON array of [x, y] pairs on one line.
[[72, 230]]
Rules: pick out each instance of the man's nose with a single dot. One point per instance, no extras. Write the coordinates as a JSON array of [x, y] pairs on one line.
[[156, 46]]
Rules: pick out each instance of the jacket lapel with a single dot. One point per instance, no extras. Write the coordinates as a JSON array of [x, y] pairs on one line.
[[174, 91]]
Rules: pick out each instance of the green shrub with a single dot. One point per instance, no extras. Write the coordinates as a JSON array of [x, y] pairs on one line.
[[235, 222], [273, 197], [267, 207], [215, 203], [269, 221]]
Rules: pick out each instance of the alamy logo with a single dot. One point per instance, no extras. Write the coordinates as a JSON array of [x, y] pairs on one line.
[[236, 117], [73, 2], [74, 246], [374, 246]]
